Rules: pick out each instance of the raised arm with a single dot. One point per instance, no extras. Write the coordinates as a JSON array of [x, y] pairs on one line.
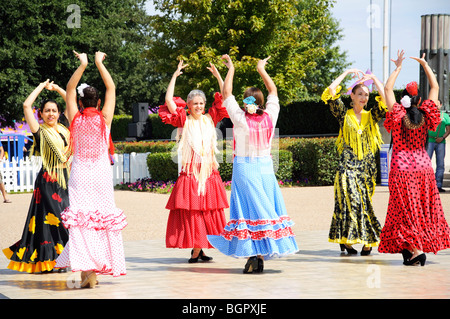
[[71, 93], [389, 87], [228, 82], [55, 87], [332, 87], [217, 75], [268, 82], [433, 94], [378, 84], [28, 107], [110, 95], [171, 87]]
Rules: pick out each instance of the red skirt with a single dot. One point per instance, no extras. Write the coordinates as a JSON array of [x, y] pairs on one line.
[[192, 217], [415, 217]]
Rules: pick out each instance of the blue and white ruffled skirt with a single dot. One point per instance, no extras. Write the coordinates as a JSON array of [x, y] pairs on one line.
[[259, 224]]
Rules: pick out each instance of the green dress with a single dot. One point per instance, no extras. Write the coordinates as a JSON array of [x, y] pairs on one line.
[[354, 220]]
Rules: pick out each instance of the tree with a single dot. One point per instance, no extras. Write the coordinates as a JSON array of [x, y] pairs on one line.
[[200, 31], [37, 39], [324, 32]]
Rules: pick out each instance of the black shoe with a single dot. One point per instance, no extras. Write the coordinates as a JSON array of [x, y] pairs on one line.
[[260, 264], [204, 257], [251, 266], [406, 255], [441, 190], [193, 260], [420, 259], [366, 252], [350, 250]]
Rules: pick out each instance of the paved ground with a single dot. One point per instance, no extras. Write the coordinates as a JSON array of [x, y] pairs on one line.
[[318, 270]]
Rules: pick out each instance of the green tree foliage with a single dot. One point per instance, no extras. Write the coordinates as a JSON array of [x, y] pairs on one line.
[[37, 39], [297, 34]]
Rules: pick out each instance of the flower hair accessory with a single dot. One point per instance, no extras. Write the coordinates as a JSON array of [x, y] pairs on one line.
[[251, 106], [406, 101], [81, 88], [412, 89]]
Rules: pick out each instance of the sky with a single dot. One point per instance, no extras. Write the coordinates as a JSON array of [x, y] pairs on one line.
[[405, 33]]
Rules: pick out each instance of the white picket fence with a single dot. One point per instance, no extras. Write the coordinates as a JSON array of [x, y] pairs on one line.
[[19, 176]]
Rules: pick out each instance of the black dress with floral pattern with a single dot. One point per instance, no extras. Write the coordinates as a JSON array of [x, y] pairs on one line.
[[354, 220]]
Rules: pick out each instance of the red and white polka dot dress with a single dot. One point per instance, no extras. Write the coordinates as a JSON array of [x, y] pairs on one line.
[[415, 216], [94, 222]]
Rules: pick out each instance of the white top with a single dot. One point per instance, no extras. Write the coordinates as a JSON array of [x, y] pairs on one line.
[[241, 130]]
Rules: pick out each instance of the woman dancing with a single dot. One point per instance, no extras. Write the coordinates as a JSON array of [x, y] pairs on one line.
[[354, 220], [259, 227], [94, 222], [415, 222], [198, 199], [44, 236]]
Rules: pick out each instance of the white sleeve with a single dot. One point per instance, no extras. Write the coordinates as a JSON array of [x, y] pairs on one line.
[[273, 108], [236, 114]]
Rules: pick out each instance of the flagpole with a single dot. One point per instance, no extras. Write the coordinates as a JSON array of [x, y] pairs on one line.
[[386, 41]]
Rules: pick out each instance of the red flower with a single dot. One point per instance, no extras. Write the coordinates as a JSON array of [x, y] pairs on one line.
[[57, 197], [37, 195]]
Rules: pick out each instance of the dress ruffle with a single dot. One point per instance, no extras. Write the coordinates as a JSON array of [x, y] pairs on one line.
[[326, 95], [185, 196], [259, 229], [113, 220], [176, 119]]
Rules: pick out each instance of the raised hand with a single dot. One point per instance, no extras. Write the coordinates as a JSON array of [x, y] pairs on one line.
[[82, 57], [262, 63], [422, 60], [99, 57], [227, 62], [213, 70], [180, 67], [400, 58]]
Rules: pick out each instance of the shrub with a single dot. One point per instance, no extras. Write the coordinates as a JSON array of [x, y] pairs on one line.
[[283, 164], [162, 166], [144, 146], [315, 160], [119, 127], [159, 129]]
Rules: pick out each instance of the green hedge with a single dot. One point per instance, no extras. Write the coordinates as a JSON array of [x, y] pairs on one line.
[[119, 127], [162, 166], [315, 160], [144, 146]]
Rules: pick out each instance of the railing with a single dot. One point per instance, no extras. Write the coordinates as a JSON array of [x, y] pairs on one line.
[[19, 175]]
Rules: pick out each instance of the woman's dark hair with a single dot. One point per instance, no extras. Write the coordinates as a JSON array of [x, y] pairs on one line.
[[44, 102], [414, 114], [90, 98], [259, 97]]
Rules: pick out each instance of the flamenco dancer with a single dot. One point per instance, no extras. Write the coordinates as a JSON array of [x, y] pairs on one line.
[[259, 227], [198, 199], [94, 222], [415, 222], [354, 220], [44, 236]]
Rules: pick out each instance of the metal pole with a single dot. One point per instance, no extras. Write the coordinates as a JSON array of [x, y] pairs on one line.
[[386, 41]]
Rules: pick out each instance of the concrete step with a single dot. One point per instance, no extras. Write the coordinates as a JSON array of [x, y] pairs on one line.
[[446, 181]]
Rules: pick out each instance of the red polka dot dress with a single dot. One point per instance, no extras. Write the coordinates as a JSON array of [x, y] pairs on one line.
[[415, 216], [196, 208], [94, 221]]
